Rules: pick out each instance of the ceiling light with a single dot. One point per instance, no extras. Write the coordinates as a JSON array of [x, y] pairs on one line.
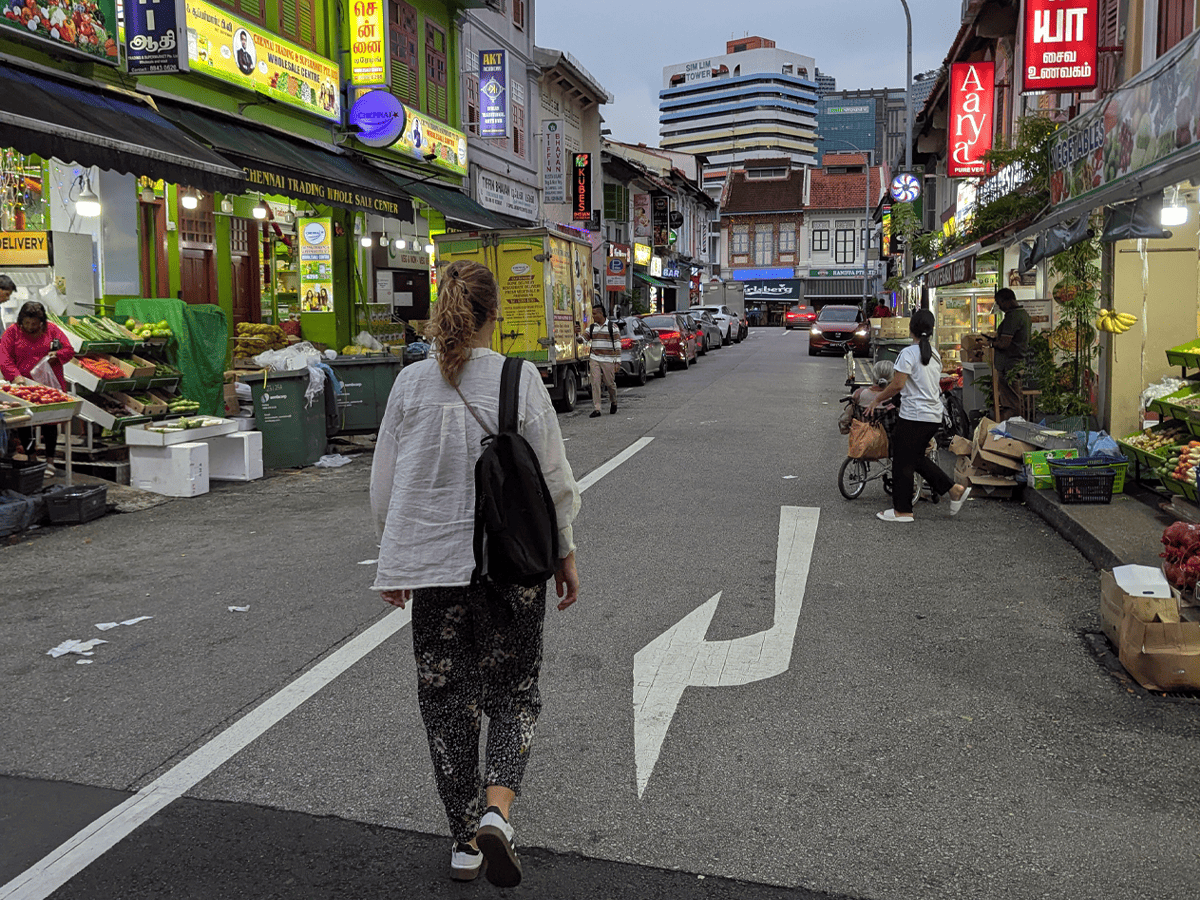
[[227, 206], [87, 204], [189, 200], [260, 210], [367, 241]]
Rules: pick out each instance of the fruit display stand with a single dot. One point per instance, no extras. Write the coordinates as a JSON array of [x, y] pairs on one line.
[[172, 458], [59, 411]]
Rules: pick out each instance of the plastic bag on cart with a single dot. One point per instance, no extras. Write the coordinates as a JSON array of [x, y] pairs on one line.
[[366, 339], [868, 440], [1168, 385], [291, 359], [43, 374]]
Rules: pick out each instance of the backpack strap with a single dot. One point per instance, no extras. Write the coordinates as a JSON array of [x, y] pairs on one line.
[[510, 392]]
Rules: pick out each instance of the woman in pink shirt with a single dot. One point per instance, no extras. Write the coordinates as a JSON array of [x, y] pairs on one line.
[[22, 347]]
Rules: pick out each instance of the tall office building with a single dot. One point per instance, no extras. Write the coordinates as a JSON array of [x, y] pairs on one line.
[[826, 84], [923, 83], [867, 120], [754, 102]]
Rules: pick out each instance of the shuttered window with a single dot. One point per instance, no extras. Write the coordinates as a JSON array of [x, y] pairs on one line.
[[518, 13], [402, 34], [616, 203], [518, 129], [1175, 22], [437, 93], [1110, 23], [297, 22], [471, 89], [252, 10]]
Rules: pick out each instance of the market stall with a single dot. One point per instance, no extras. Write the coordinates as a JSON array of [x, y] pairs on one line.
[[33, 405]]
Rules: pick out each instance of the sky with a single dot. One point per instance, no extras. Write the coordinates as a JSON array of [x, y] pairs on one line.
[[625, 44]]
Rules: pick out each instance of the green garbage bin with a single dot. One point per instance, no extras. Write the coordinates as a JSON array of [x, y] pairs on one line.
[[886, 349], [366, 383], [293, 433]]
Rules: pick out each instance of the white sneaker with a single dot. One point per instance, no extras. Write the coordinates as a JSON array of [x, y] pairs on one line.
[[495, 840], [465, 862], [50, 470]]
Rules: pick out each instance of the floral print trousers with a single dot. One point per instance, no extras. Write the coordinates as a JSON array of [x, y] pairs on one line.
[[469, 664]]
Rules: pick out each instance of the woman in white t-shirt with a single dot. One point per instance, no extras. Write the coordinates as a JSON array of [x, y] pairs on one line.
[[918, 373]]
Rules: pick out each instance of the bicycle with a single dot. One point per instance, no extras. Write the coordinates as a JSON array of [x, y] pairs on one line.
[[955, 422], [854, 474]]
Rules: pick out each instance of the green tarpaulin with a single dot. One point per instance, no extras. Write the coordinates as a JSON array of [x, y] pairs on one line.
[[198, 349]]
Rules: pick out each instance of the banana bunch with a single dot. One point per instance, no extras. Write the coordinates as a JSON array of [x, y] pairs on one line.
[[1115, 322]]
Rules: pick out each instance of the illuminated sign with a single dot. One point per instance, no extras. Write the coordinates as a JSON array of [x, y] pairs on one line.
[[581, 195], [24, 248], [86, 28], [493, 94], [642, 254], [316, 264], [972, 98], [1061, 39], [154, 37], [554, 176], [233, 50], [368, 43], [379, 118]]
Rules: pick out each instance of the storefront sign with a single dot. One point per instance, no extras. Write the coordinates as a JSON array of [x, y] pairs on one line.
[[641, 217], [368, 43], [379, 118], [24, 248], [1145, 121], [278, 182], [760, 274], [554, 175], [660, 220], [581, 193], [154, 36], [780, 289], [656, 266], [86, 28], [423, 135], [316, 264], [230, 49], [835, 273], [972, 99], [1060, 44], [503, 195], [958, 272], [670, 269], [1007, 181], [614, 278], [493, 94], [642, 254]]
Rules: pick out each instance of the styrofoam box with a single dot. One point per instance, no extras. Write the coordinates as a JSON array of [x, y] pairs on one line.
[[235, 457], [177, 470]]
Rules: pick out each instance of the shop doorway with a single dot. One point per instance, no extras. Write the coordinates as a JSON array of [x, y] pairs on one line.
[[243, 254], [155, 277], [197, 252]]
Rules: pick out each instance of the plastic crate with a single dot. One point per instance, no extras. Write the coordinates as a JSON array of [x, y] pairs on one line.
[[76, 505], [1150, 458], [1184, 489], [1187, 355], [1117, 464], [1084, 485], [24, 477]]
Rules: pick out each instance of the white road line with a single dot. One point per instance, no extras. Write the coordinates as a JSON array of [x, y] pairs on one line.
[[95, 839]]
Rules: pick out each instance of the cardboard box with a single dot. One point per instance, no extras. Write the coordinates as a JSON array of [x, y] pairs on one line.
[[1037, 467], [1010, 447], [155, 408], [1154, 601], [994, 463], [960, 446], [963, 471], [972, 347], [1162, 656], [893, 327], [142, 368], [992, 487], [232, 405]]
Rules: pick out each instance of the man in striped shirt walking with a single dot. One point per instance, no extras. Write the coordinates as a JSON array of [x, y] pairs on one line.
[[605, 341]]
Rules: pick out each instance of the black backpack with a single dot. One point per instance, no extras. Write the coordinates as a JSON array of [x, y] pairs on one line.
[[516, 525]]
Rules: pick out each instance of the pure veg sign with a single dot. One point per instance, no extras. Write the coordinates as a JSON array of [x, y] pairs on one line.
[[1060, 44], [972, 103]]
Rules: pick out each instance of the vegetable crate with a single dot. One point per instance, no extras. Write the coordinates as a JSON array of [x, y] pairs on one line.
[[1116, 464], [1087, 480], [76, 505], [1171, 430], [1172, 407], [1184, 489], [1186, 355], [22, 477]]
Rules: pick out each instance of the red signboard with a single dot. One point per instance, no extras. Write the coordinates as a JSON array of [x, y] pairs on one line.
[[1060, 44], [972, 112], [581, 192]]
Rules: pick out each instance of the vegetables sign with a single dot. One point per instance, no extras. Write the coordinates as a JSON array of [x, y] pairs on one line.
[[87, 27]]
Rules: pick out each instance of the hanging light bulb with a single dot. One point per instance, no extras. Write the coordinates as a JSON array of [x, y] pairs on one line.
[[87, 204], [260, 210], [429, 248], [227, 206], [1174, 211], [367, 241], [400, 243], [384, 240], [189, 200]]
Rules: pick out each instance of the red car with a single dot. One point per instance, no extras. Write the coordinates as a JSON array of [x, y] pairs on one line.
[[679, 343], [799, 317]]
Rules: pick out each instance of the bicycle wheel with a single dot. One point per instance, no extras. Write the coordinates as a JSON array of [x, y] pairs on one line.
[[852, 478], [958, 416]]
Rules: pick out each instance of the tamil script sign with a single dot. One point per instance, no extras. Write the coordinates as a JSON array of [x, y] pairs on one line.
[[972, 99], [155, 43], [368, 43], [1060, 44]]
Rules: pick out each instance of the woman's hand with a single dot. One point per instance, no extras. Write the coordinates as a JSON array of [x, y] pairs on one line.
[[396, 598], [566, 578], [871, 407], [21, 379]]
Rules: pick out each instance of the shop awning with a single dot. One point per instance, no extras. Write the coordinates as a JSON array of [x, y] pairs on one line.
[[654, 282], [456, 206], [50, 117], [274, 164]]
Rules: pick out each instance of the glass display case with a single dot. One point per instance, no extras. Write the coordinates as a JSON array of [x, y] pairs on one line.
[[960, 312]]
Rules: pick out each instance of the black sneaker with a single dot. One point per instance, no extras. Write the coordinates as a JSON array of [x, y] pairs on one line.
[[495, 840], [612, 409], [594, 414]]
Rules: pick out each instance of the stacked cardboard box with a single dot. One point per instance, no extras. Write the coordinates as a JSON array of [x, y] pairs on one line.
[[989, 463], [1157, 639], [893, 327]]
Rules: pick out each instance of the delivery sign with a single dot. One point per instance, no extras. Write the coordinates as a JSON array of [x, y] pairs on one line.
[[972, 107], [1060, 44]]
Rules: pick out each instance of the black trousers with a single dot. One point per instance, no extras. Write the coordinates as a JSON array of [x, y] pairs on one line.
[[909, 442], [49, 439]]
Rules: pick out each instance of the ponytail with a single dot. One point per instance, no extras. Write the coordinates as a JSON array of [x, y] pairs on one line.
[[467, 299], [921, 326]]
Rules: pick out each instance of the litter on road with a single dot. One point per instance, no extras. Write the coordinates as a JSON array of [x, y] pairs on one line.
[[75, 646]]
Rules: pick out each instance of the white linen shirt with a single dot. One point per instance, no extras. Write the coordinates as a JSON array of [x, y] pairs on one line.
[[423, 474]]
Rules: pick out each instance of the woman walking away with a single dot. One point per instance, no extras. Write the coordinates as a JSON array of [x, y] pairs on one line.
[[469, 662], [918, 370]]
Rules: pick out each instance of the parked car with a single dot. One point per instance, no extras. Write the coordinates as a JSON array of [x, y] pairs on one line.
[[696, 327], [642, 350], [678, 337], [840, 328], [799, 317], [713, 335], [743, 326], [727, 322]]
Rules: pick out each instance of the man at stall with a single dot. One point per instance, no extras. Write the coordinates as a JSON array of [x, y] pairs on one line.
[[22, 347], [1010, 343]]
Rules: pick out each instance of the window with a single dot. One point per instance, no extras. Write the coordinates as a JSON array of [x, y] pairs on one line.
[[843, 250], [764, 245], [402, 30], [518, 129], [787, 238], [739, 241], [437, 92], [820, 240], [1175, 22], [471, 86], [616, 203], [866, 238], [254, 10], [297, 20], [518, 13]]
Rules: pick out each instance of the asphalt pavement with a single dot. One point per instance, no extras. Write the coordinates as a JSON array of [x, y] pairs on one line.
[[762, 692]]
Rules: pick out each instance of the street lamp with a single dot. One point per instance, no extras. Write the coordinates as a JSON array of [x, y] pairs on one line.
[[867, 221], [908, 104]]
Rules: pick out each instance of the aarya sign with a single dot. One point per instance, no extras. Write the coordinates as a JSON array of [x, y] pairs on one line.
[[972, 103], [1060, 44]]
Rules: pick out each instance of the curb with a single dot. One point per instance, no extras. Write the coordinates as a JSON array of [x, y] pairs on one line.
[[1093, 549]]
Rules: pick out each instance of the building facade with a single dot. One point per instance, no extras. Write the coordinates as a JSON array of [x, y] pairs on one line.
[[753, 101], [868, 120]]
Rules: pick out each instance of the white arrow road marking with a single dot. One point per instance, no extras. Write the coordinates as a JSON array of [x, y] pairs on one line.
[[680, 656]]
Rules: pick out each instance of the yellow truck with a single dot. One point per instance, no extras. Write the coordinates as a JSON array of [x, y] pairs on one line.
[[545, 281]]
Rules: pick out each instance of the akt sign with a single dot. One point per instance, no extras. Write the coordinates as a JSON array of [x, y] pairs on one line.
[[972, 101]]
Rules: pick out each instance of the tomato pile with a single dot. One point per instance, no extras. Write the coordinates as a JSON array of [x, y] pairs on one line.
[[37, 394], [101, 368]]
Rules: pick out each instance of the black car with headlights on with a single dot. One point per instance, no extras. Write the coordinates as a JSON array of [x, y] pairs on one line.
[[840, 328]]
